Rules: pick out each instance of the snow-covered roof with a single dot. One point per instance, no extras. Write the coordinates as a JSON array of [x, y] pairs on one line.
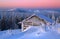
[[45, 18], [40, 16]]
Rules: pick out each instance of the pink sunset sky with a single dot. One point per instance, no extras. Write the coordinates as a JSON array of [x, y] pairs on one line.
[[30, 3]]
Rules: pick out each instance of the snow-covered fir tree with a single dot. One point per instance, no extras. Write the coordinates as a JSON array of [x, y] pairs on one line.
[[53, 17], [57, 20], [48, 16]]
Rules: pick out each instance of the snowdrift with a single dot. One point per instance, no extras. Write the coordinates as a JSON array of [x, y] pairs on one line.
[[32, 33]]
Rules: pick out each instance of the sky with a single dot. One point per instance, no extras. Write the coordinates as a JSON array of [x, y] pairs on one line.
[[30, 3]]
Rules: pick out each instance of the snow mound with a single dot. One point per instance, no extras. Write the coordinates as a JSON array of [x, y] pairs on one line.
[[35, 29]]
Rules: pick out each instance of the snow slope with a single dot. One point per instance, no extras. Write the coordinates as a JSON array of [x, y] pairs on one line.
[[32, 33]]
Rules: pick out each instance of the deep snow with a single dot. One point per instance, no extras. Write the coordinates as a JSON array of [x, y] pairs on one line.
[[52, 32]]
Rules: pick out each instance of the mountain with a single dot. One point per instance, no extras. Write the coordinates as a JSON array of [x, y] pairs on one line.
[[31, 11]]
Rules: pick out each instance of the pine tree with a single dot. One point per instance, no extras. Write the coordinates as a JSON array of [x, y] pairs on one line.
[[3, 23]]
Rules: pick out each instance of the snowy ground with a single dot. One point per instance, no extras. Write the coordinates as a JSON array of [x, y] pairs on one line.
[[52, 32]]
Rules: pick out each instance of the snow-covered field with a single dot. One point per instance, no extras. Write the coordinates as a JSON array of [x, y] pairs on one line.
[[52, 32]]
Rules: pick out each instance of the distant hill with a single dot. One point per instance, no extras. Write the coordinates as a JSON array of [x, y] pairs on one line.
[[31, 11]]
